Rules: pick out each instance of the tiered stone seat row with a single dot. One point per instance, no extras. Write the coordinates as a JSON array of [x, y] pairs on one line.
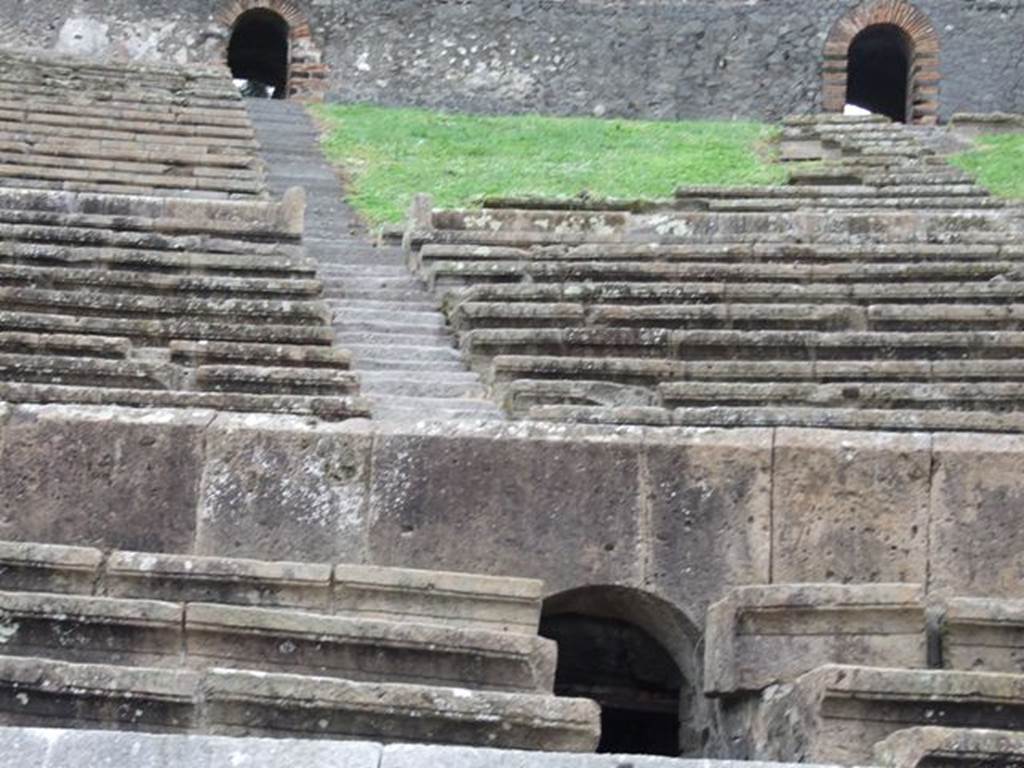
[[857, 673], [83, 126], [164, 302], [170, 643], [887, 297]]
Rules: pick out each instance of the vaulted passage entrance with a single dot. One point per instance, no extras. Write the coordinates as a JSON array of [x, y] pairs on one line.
[[258, 53], [608, 652], [878, 72], [883, 57]]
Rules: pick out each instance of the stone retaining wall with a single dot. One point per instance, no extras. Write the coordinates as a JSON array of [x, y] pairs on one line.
[[662, 59], [684, 514]]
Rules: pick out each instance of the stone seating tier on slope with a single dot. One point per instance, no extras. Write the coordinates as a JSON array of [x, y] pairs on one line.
[[142, 301], [76, 125], [624, 313], [167, 643]]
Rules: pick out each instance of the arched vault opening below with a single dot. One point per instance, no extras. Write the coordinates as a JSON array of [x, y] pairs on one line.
[[258, 53], [879, 72], [635, 655]]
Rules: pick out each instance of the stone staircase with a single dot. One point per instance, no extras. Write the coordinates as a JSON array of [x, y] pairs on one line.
[[881, 288], [866, 674], [179, 644], [401, 349]]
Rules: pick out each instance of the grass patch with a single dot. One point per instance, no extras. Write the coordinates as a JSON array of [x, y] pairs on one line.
[[388, 155], [998, 163]]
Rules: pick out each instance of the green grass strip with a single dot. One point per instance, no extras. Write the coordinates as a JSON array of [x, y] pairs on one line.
[[388, 155], [997, 163]]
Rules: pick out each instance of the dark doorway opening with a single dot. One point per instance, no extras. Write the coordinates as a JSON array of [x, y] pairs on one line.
[[879, 72], [628, 673], [258, 54]]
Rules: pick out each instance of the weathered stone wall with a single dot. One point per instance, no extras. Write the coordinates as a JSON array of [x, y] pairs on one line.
[[657, 58], [680, 514]]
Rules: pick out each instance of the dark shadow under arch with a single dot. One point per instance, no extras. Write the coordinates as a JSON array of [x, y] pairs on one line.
[[259, 49], [879, 75], [637, 655]]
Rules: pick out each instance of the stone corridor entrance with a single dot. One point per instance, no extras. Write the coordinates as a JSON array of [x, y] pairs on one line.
[[258, 53], [878, 72]]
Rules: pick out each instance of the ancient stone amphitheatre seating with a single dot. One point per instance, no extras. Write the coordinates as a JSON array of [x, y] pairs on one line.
[[880, 288], [847, 674], [152, 300], [179, 644], [84, 126]]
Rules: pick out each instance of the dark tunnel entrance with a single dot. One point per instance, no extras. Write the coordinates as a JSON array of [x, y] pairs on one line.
[[258, 54], [625, 671], [879, 72], [635, 655]]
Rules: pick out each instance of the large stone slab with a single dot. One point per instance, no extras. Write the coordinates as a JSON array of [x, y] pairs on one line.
[[56, 748], [706, 512], [932, 747], [48, 567], [278, 488], [977, 542], [102, 477], [983, 635], [760, 636], [850, 506], [536, 501]]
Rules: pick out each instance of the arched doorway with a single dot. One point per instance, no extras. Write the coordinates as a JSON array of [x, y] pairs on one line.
[[258, 53], [636, 655], [883, 56], [878, 76]]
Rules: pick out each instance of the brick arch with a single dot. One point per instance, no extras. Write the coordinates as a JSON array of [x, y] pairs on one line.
[[307, 74], [924, 64]]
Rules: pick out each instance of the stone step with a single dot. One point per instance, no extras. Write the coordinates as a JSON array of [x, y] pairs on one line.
[[161, 331], [982, 634], [648, 372], [797, 417], [327, 408], [273, 355], [268, 380], [206, 635], [383, 362], [427, 384], [437, 598], [385, 337], [444, 275], [371, 350], [60, 694], [426, 306], [744, 345]]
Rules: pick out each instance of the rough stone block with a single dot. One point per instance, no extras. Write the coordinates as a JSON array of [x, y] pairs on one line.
[[186, 578], [521, 499], [250, 703], [706, 519], [983, 635], [850, 506], [838, 713], [761, 636], [456, 599], [977, 542], [47, 693], [932, 747], [279, 488], [91, 629], [366, 649], [102, 477], [48, 568]]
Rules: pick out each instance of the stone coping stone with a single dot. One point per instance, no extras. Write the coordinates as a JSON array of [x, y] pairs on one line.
[[59, 748], [458, 600], [935, 747], [983, 634], [761, 636]]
